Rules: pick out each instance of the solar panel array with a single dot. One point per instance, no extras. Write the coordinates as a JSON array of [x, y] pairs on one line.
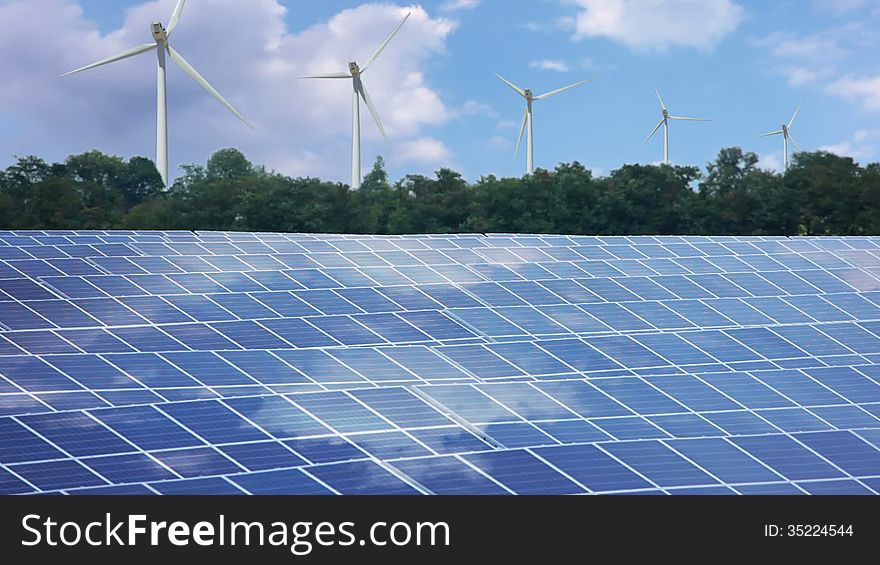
[[180, 362]]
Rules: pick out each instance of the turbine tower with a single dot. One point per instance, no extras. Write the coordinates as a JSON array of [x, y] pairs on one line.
[[785, 132], [160, 43], [527, 118], [664, 123], [355, 73]]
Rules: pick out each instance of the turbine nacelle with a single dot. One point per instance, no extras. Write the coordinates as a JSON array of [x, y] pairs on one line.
[[159, 33], [529, 95], [354, 69]]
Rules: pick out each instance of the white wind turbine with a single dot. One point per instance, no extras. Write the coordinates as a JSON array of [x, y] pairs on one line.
[[664, 123], [527, 118], [785, 132], [354, 73], [160, 44]]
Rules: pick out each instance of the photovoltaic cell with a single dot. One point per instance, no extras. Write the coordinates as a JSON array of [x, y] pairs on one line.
[[237, 363]]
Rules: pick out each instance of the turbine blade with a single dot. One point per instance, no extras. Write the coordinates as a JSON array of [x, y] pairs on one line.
[[794, 117], [328, 75], [124, 55], [563, 89], [385, 43], [522, 129], [662, 104], [780, 132], [175, 17], [647, 139], [369, 102], [188, 69], [791, 139], [689, 119], [516, 89]]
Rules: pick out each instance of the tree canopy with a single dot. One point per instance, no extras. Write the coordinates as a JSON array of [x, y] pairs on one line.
[[821, 194]]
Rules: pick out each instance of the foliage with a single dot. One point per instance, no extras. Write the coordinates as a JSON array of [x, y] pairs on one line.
[[821, 194]]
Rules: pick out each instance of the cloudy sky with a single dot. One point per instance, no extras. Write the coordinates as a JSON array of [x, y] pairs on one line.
[[745, 63]]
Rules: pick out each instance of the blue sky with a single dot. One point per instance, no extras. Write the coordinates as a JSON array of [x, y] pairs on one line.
[[745, 64]]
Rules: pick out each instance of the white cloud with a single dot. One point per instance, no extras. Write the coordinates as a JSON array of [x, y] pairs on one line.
[[822, 46], [771, 162], [862, 90], [797, 75], [499, 142], [862, 145], [246, 51], [456, 5], [424, 150], [550, 65], [839, 7], [658, 24]]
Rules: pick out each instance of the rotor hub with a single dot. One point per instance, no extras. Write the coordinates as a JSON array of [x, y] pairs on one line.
[[354, 69], [159, 33]]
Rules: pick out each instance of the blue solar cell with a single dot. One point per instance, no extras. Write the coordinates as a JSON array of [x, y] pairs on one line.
[[372, 365], [197, 462], [724, 461], [93, 372], [401, 407], [57, 475], [793, 420], [448, 476], [616, 317], [77, 434], [573, 431], [346, 331], [147, 339], [746, 390], [720, 346], [424, 363], [436, 325], [480, 361], [16, 316], [799, 387], [392, 328], [319, 366], [147, 428], [33, 375], [283, 482], [854, 337], [131, 468], [627, 352], [212, 421], [18, 444], [41, 343], [659, 464], [199, 337], [583, 399], [208, 368], [298, 333], [263, 456], [264, 367], [522, 473], [486, 322], [341, 412], [787, 457], [529, 358], [362, 478], [95, 341]]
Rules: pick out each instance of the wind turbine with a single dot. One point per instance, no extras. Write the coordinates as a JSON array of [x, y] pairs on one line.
[[527, 118], [160, 43], [785, 132], [664, 123], [354, 73]]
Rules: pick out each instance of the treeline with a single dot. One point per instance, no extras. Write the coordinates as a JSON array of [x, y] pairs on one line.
[[821, 194]]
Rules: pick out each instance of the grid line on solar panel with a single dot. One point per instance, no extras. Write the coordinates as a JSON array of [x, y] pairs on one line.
[[792, 348]]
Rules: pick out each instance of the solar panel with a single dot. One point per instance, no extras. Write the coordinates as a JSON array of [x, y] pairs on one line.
[[214, 362]]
